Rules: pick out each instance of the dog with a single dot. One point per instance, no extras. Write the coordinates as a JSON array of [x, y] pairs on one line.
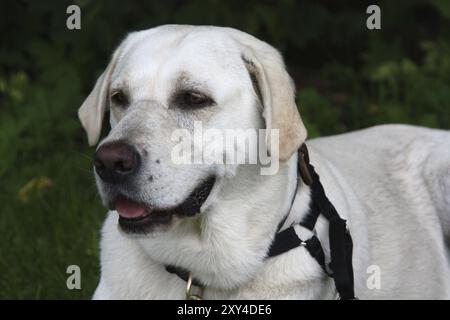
[[391, 183]]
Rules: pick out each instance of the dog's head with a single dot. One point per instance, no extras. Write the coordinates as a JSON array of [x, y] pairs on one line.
[[170, 79]]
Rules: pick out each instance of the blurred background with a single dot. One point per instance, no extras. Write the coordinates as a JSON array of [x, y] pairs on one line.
[[348, 77]]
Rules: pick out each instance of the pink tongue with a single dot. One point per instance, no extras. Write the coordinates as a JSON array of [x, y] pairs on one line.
[[129, 209]]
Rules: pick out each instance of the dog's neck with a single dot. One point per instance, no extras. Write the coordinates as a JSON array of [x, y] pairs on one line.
[[226, 245]]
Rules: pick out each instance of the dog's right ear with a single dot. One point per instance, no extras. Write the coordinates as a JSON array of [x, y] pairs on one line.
[[93, 109]]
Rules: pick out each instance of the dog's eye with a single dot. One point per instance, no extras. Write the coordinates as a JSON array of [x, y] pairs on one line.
[[119, 98], [192, 99]]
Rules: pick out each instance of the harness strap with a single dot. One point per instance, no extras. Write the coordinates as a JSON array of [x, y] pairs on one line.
[[315, 250], [284, 241], [341, 245], [288, 239]]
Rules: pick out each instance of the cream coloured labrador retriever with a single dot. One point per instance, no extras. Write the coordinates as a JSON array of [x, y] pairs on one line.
[[391, 182]]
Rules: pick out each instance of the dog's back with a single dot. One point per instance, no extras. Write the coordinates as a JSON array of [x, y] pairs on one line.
[[400, 176]]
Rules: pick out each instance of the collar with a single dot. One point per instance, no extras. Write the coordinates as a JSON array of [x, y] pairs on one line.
[[341, 246]]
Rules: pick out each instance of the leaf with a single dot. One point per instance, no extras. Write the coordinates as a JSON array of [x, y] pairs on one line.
[[35, 185]]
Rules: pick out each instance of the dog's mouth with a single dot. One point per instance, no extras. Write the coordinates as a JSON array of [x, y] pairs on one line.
[[137, 217]]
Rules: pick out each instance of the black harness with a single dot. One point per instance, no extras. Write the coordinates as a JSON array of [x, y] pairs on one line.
[[341, 245]]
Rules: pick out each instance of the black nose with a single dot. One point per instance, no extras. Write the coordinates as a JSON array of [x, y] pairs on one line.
[[116, 161]]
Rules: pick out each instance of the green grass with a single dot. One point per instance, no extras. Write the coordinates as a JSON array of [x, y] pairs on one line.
[[55, 228], [54, 225]]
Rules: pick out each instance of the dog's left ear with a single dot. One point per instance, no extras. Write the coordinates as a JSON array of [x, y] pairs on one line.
[[93, 109], [276, 89]]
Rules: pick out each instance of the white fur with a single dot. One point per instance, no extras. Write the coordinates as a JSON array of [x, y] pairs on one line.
[[392, 183]]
